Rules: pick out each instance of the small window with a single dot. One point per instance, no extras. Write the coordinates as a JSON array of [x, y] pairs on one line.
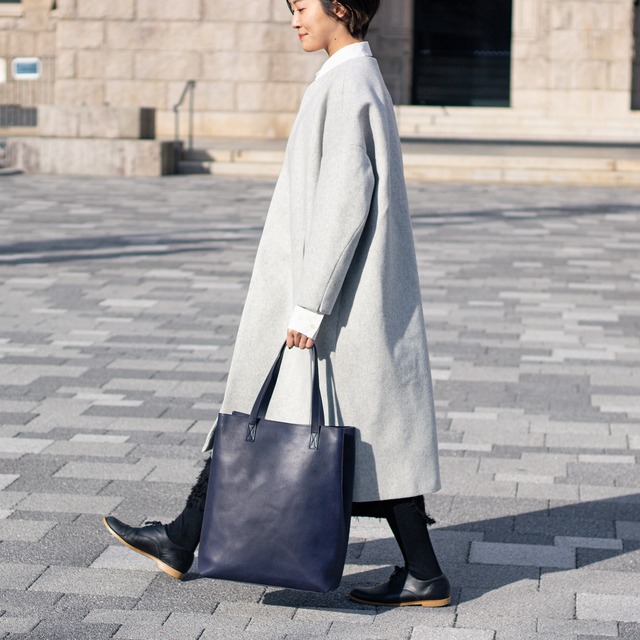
[[26, 68]]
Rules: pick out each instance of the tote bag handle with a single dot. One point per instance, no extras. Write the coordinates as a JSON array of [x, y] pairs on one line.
[[266, 392]]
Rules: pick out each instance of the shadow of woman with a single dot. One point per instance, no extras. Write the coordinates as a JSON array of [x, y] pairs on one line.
[[482, 555]]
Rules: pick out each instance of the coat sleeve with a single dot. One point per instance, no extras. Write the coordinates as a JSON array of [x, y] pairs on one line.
[[342, 202]]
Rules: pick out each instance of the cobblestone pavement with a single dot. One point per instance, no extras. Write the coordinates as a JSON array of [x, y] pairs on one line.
[[119, 301]]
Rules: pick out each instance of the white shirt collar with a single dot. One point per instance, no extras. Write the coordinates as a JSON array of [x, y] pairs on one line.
[[355, 50]]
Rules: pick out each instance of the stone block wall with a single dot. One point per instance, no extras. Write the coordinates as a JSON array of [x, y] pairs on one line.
[[247, 62], [27, 30], [572, 60], [96, 122], [573, 57]]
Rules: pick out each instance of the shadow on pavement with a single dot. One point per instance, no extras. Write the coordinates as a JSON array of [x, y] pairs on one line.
[[126, 246], [517, 214], [97, 247], [476, 559]]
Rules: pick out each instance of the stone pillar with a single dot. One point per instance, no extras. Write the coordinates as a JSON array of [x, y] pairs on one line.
[[529, 63], [391, 39]]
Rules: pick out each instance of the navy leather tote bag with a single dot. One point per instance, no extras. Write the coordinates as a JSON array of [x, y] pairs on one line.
[[278, 505]]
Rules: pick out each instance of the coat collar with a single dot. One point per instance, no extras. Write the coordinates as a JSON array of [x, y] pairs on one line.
[[355, 50]]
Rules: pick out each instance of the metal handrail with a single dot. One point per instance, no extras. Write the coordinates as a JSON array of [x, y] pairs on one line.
[[188, 88]]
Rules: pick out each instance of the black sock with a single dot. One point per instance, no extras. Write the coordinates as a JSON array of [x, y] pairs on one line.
[[396, 534], [408, 521], [374, 509], [185, 529]]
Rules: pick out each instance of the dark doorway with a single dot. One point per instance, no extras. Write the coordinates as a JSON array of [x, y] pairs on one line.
[[462, 53]]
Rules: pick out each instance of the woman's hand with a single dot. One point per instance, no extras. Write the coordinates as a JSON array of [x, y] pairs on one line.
[[297, 339]]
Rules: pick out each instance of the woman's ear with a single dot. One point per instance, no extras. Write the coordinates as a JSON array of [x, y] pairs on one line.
[[339, 10]]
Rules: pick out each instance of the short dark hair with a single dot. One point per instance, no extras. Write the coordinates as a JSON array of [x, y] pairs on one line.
[[359, 14]]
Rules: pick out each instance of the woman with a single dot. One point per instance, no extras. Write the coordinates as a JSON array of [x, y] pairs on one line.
[[336, 267]]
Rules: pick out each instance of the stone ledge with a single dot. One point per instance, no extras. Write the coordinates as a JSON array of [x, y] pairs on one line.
[[91, 157], [11, 11], [96, 122], [10, 132]]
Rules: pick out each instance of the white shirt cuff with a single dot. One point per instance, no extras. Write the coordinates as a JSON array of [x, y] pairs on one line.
[[306, 322]]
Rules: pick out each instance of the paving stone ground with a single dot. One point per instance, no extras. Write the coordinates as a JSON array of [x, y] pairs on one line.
[[119, 302]]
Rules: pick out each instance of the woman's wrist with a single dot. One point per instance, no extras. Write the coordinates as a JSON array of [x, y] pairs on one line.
[[305, 322]]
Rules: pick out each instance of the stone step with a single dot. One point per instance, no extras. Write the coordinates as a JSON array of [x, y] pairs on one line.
[[507, 133], [233, 168], [193, 167], [524, 170], [502, 123], [501, 164]]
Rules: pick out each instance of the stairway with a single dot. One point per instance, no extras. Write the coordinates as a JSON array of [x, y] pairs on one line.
[[446, 161], [257, 158]]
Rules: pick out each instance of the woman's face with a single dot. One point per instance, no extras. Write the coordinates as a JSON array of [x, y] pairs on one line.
[[316, 29]]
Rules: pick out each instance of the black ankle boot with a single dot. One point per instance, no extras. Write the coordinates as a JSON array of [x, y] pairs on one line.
[[402, 590], [152, 541]]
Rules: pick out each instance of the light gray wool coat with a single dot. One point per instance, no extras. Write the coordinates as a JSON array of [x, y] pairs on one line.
[[337, 240]]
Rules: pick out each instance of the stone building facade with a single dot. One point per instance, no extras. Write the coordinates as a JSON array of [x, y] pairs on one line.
[[573, 67]]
